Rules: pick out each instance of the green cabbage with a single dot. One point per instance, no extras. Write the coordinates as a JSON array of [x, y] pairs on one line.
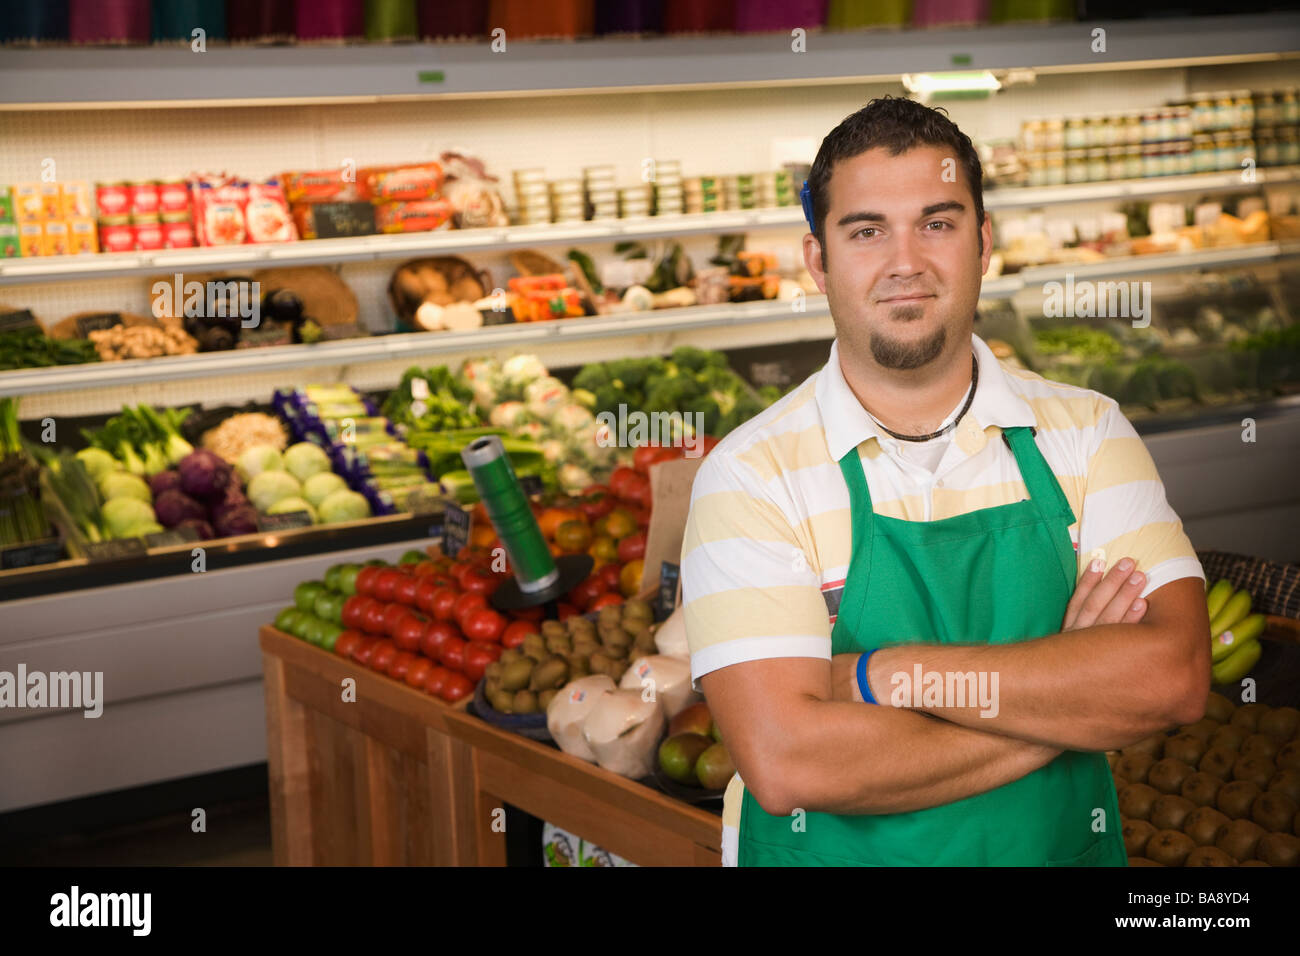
[[122, 484], [291, 504], [272, 486], [304, 460], [123, 517], [98, 462], [258, 459], [344, 506], [319, 487]]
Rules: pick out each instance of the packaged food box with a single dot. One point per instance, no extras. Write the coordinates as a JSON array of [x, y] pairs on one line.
[[31, 239], [422, 215], [54, 239], [51, 201], [82, 236], [9, 246], [319, 185], [334, 220], [173, 197], [267, 214], [75, 200], [386, 183], [6, 204], [27, 202], [116, 234], [112, 200], [219, 214]]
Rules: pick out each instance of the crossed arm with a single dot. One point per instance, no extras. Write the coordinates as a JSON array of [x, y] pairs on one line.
[[1121, 669]]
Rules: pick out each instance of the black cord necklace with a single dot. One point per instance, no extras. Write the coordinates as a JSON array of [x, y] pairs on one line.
[[974, 380]]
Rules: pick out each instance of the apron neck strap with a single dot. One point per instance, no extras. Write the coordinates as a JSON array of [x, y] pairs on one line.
[[1043, 488]]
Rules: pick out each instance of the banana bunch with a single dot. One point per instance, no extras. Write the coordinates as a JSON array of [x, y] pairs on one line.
[[1234, 633]]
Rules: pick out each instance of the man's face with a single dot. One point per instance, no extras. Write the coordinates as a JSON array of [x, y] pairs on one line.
[[903, 260]]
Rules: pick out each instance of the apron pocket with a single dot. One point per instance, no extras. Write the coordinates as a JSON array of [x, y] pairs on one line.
[[1095, 855]]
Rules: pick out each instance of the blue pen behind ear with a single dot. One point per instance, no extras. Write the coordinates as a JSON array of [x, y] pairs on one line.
[[805, 197]]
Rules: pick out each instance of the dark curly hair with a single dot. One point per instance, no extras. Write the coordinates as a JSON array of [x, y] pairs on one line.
[[895, 124]]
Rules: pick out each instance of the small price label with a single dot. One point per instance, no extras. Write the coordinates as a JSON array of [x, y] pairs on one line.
[[455, 529], [97, 323], [284, 522], [531, 485], [116, 550], [26, 555], [16, 321], [168, 539], [669, 575]]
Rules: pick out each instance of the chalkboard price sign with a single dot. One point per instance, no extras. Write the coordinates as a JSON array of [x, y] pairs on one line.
[[284, 522], [669, 575], [115, 550], [455, 529]]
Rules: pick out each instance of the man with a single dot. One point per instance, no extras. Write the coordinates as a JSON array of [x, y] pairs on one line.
[[917, 509]]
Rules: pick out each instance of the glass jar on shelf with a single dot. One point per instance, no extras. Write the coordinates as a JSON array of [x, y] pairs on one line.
[[1183, 158], [1134, 162], [1108, 131], [1225, 111], [1150, 126], [1036, 169], [1265, 108], [1150, 160], [1166, 125], [1245, 149], [1245, 109], [1203, 112], [1204, 158], [1032, 135], [1056, 168], [1076, 165], [1054, 134], [1116, 167], [1076, 133], [1288, 152], [1183, 126], [1225, 157], [1097, 169], [1268, 148], [1288, 111]]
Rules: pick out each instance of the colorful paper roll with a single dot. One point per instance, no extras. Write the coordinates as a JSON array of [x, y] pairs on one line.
[[34, 21], [629, 16], [452, 19], [856, 14], [178, 19], [259, 21], [329, 19], [512, 517], [391, 20], [761, 16], [108, 21]]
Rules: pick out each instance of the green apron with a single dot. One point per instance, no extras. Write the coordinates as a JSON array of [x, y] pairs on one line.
[[994, 576]]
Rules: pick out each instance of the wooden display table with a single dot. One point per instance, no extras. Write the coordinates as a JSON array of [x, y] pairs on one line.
[[398, 777]]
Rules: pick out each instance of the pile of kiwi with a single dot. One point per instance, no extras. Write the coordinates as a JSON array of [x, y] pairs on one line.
[[1224, 791], [527, 677]]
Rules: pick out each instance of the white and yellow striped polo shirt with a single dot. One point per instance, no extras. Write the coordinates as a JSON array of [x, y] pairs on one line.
[[769, 535]]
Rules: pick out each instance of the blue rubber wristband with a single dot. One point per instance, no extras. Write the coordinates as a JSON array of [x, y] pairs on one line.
[[863, 687]]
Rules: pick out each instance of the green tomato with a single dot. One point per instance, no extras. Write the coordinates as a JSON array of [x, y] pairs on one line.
[[329, 635], [378, 562], [329, 607], [348, 579], [305, 594], [413, 557], [313, 629], [332, 576], [287, 620]]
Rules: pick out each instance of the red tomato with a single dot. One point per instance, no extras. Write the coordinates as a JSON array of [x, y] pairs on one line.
[[373, 620], [469, 601], [618, 480], [608, 574], [410, 631], [366, 580], [386, 584], [478, 655], [406, 590], [456, 687], [384, 652], [424, 592], [515, 633], [443, 580], [637, 488], [456, 569], [484, 624], [586, 590], [348, 642], [529, 613], [596, 506], [361, 653], [424, 569], [354, 610], [433, 684], [436, 633], [605, 600], [642, 517], [595, 490], [477, 580], [393, 615], [452, 653], [443, 603], [564, 610], [418, 672], [631, 547], [400, 664]]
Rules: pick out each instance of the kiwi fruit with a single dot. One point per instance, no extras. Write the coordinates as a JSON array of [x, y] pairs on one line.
[[1280, 723], [581, 626], [1288, 758], [601, 663], [550, 673], [1153, 746], [578, 667], [1229, 737], [1218, 762], [545, 697], [1169, 847], [515, 675], [1218, 707], [559, 645], [1203, 728], [509, 656], [502, 700], [1134, 767], [644, 643], [1258, 770], [1167, 775], [1169, 811], [1136, 833], [1202, 825], [1186, 747], [608, 616], [1259, 745], [1135, 801], [1274, 811], [1238, 838], [1142, 861], [1208, 856], [1235, 799], [534, 646], [554, 629], [493, 671], [1201, 788], [1279, 849], [1247, 717], [1288, 781]]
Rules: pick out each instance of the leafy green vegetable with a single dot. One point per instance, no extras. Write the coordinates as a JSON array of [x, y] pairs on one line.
[[31, 348]]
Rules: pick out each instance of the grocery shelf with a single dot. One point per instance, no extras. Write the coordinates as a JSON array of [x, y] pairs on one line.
[[379, 248], [176, 76]]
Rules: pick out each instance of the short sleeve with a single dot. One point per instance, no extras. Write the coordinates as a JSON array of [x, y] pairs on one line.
[[748, 589], [1125, 511]]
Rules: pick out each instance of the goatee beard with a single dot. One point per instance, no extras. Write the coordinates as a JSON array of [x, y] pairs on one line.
[[890, 353]]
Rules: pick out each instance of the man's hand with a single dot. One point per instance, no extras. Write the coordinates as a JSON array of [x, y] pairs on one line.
[[1109, 599], [1098, 599]]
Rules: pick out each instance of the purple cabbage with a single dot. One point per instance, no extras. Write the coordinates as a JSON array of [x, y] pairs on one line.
[[204, 475], [240, 519], [202, 527], [165, 481], [173, 507]]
